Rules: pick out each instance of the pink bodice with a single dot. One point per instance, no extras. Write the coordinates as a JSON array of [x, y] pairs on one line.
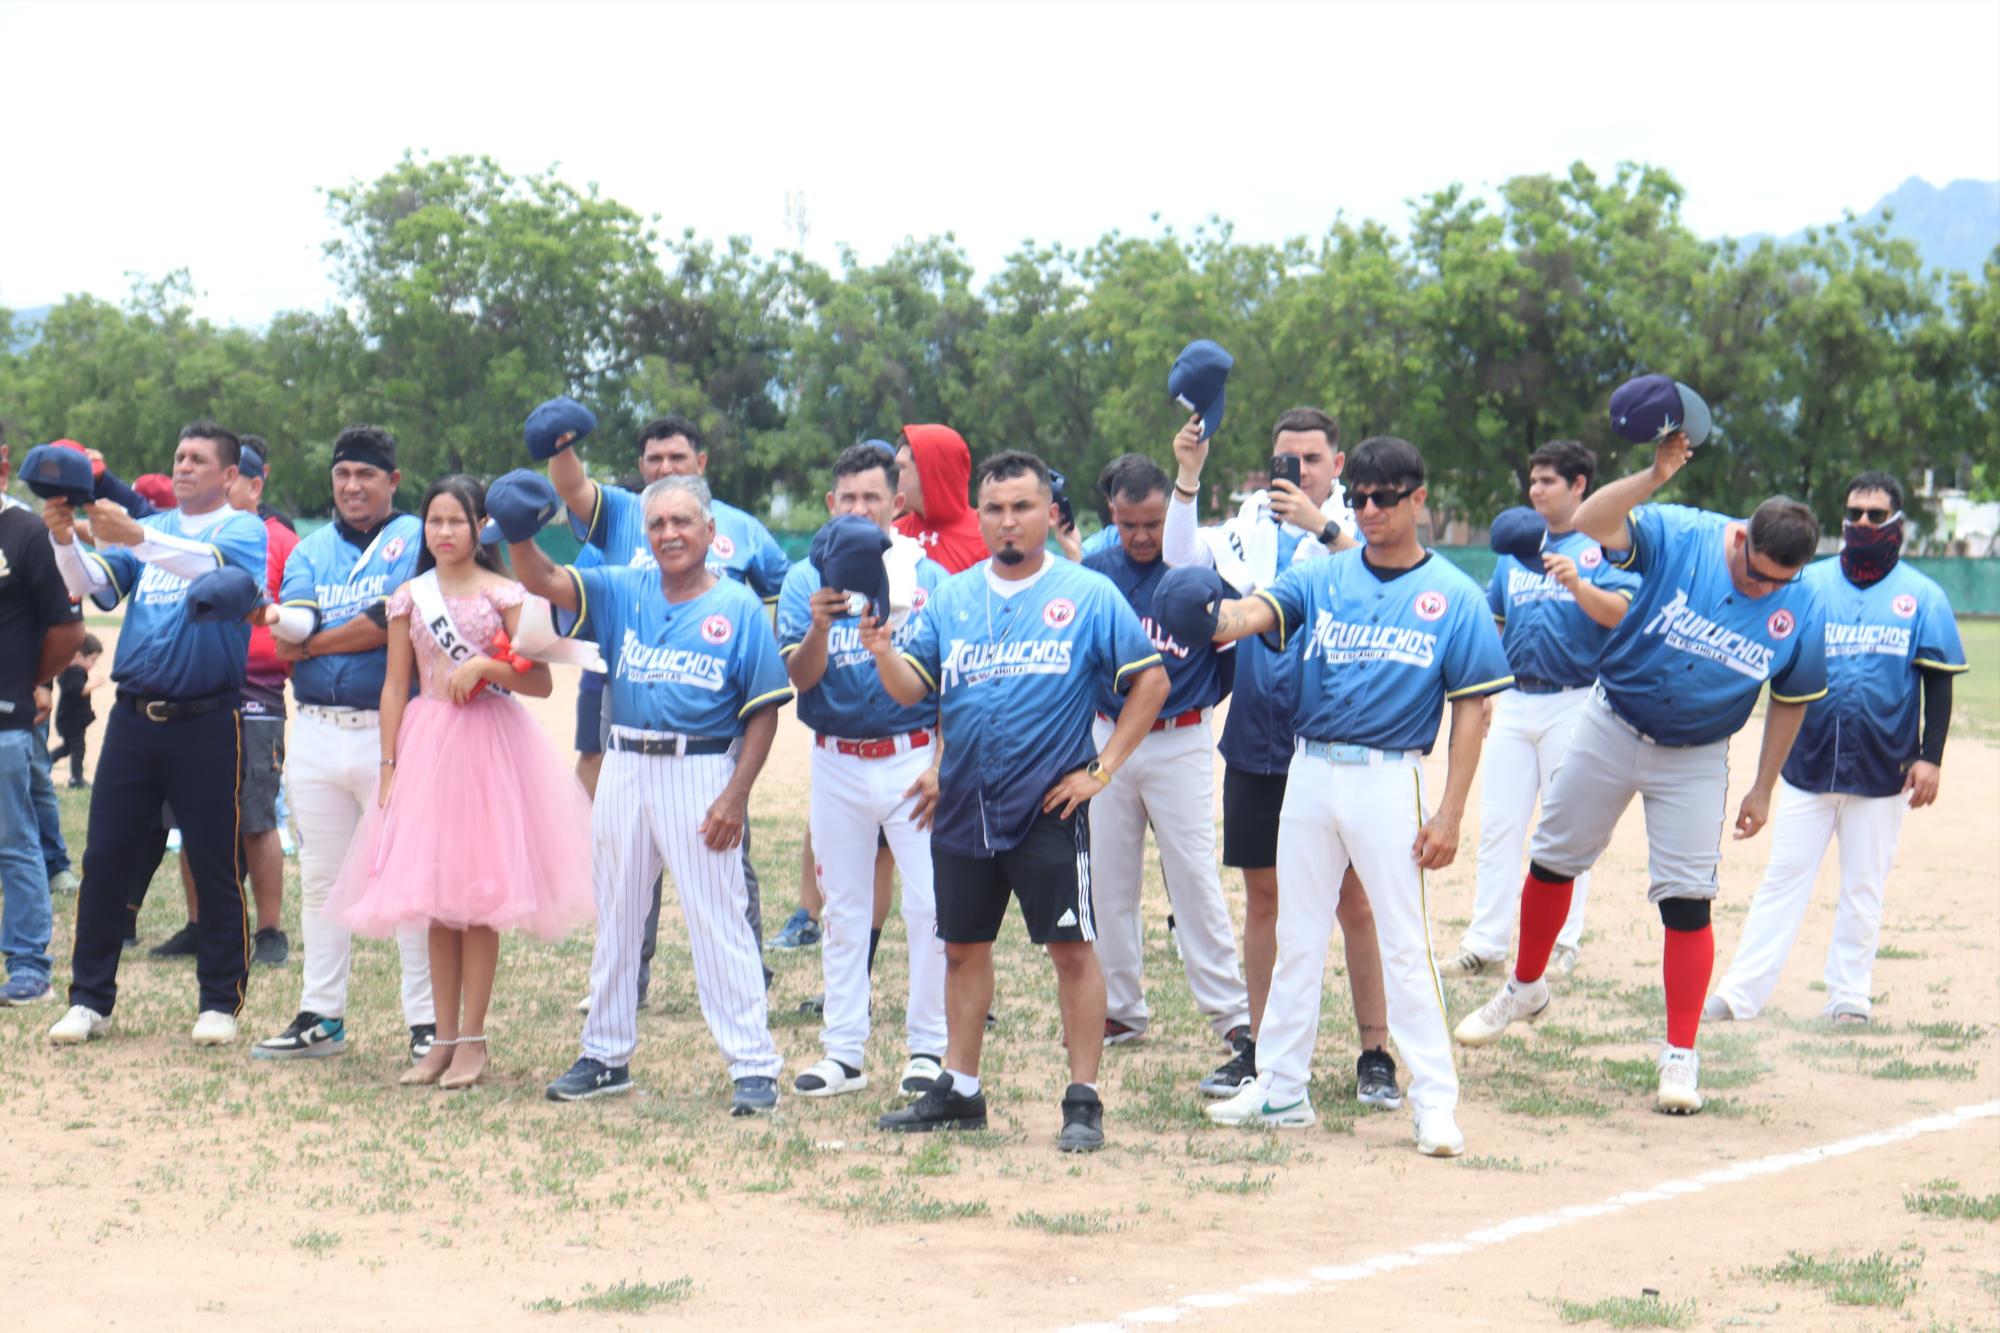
[[478, 619]]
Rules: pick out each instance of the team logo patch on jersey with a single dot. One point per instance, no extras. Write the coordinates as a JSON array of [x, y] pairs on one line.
[[1780, 624], [918, 598], [717, 629], [1904, 605], [1429, 605], [1059, 612], [393, 549], [723, 546], [1590, 557]]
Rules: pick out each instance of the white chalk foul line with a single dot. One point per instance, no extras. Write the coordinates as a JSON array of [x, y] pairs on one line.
[[1190, 1307]]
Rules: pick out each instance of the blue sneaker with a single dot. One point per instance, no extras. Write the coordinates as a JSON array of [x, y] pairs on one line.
[[753, 1095], [588, 1078], [800, 932], [26, 989]]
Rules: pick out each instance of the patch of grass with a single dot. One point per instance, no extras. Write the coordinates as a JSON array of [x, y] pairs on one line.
[[1876, 1280], [1948, 1034], [1636, 1076], [1953, 1203], [1064, 1224], [319, 1244], [901, 1203], [1630, 1312], [933, 1159], [1253, 1149], [1546, 1104], [1941, 1183], [620, 1298], [1246, 1184], [1483, 1162], [1890, 953], [1901, 1070]]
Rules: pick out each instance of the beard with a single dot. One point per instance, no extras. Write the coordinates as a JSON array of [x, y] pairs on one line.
[[1009, 555]]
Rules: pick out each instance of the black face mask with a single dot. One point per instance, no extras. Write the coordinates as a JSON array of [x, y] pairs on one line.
[[1868, 554]]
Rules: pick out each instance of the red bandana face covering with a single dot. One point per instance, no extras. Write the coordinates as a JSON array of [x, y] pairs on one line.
[[1868, 554]]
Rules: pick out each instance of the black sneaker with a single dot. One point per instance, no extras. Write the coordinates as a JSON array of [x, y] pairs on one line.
[[422, 1037], [1228, 1080], [1083, 1120], [813, 1008], [940, 1108], [588, 1078], [309, 1037], [1375, 1080], [272, 948], [180, 944]]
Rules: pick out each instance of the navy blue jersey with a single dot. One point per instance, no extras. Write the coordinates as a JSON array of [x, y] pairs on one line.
[[1546, 634], [1257, 737], [163, 652], [1863, 736], [1379, 656], [850, 700], [1195, 670], [1017, 680], [1686, 664], [742, 550], [1104, 539], [697, 668], [337, 579]]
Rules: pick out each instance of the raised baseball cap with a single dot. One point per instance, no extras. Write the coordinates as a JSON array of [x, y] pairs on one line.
[[519, 504], [1649, 408], [552, 420], [250, 463], [1197, 381], [56, 472], [1519, 532], [847, 552]]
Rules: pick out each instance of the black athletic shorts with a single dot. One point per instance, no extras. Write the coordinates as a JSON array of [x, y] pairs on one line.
[[1250, 806], [1048, 872]]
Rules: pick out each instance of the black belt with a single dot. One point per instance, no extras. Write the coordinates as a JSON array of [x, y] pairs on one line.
[[155, 709], [1536, 685], [673, 745]]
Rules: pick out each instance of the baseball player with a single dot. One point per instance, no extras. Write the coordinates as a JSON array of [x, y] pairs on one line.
[[874, 772], [696, 682], [174, 734], [1276, 528], [1720, 613], [1387, 635], [1170, 785], [1554, 619], [1016, 650], [331, 623], [1890, 636]]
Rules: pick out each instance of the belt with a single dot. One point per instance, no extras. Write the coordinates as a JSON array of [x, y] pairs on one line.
[[1536, 685], [1191, 718], [1604, 702], [155, 709], [884, 748], [351, 719], [673, 745], [1334, 752]]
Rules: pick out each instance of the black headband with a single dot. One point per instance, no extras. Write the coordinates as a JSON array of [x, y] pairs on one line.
[[361, 449]]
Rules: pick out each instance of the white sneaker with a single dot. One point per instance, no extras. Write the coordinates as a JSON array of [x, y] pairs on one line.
[[828, 1078], [919, 1074], [1564, 960], [583, 1005], [78, 1026], [1517, 1002], [1680, 1068], [1250, 1107], [1438, 1133], [212, 1027], [1464, 963], [1715, 1009]]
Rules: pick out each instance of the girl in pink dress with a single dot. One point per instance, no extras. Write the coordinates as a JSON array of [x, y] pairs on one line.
[[479, 827]]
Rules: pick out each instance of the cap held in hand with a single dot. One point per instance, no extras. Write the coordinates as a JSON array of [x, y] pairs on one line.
[[226, 594], [519, 504], [1198, 378], [548, 423], [1648, 409], [847, 552], [58, 472], [1519, 532], [1186, 603]]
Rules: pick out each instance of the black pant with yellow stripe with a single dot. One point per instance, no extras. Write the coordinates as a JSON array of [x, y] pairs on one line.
[[193, 764]]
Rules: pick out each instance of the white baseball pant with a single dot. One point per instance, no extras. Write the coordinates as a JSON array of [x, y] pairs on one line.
[[648, 811], [1169, 783], [852, 797], [1867, 827], [1522, 752], [1365, 815], [335, 757]]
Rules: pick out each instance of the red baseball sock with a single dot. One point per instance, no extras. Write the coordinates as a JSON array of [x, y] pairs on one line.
[[1688, 964], [1544, 908]]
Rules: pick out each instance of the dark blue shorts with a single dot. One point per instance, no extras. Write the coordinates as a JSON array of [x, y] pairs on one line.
[[589, 722]]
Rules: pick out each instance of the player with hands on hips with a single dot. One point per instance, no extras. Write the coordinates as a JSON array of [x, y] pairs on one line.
[[1386, 636], [1866, 752], [1557, 599], [1720, 613], [1015, 649]]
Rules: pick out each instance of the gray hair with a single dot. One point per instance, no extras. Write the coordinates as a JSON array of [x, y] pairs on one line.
[[694, 486]]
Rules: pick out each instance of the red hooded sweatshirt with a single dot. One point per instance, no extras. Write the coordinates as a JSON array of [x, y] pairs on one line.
[[948, 528]]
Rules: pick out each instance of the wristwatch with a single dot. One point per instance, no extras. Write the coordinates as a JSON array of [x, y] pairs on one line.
[[1329, 534], [1097, 770]]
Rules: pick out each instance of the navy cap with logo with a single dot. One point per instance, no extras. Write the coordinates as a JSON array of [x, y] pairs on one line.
[[847, 552], [58, 473], [1186, 600], [552, 420], [1198, 378], [1519, 532], [1649, 408], [226, 594], [519, 504]]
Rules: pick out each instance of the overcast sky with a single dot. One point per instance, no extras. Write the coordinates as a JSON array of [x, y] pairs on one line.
[[148, 137]]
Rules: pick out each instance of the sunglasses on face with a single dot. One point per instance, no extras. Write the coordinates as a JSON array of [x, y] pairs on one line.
[[1855, 514], [1755, 576], [1383, 499]]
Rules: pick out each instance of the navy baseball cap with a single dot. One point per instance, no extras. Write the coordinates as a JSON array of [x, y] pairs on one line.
[[1648, 409], [1185, 603], [1519, 532], [847, 552], [552, 420], [226, 594], [251, 464], [1197, 380], [519, 504], [56, 472]]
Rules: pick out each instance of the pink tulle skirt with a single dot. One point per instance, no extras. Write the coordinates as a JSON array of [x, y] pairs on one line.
[[485, 826]]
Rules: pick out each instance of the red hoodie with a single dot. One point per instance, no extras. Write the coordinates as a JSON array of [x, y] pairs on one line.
[[948, 528]]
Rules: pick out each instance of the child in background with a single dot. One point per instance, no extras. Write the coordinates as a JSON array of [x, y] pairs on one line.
[[73, 711]]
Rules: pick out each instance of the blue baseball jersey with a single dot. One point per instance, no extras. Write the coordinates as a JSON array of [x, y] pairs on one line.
[[697, 668], [1257, 737], [1546, 635], [850, 700], [1380, 651], [590, 682], [1686, 664], [162, 651], [1862, 737], [1017, 680], [1104, 539], [1198, 671], [742, 550], [337, 579]]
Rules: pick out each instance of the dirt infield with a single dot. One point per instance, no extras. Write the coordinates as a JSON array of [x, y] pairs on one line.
[[151, 1184]]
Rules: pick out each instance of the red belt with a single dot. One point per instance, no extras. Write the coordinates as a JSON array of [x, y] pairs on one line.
[[1191, 718], [881, 749]]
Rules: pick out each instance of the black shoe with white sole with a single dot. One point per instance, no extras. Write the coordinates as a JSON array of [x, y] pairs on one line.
[[939, 1108], [309, 1037], [1241, 1068], [589, 1078], [422, 1037], [1375, 1080], [1083, 1120]]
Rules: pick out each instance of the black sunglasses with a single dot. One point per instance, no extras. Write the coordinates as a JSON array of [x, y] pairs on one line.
[[1381, 499], [1878, 517], [1750, 570]]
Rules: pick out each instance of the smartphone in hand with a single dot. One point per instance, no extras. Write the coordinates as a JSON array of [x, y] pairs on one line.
[[1285, 466]]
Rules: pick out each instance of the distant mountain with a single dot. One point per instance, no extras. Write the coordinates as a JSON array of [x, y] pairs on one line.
[[1953, 228]]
